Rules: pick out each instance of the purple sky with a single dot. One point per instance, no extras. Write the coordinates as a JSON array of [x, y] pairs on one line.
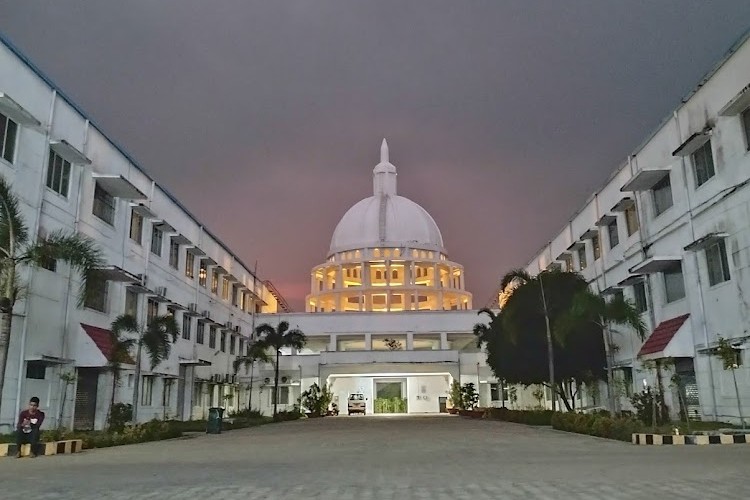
[[266, 118]]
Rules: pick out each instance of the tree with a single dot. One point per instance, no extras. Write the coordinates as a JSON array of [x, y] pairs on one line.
[[729, 356], [469, 396], [277, 339], [156, 337], [393, 344], [256, 352], [588, 308], [120, 354], [19, 249], [517, 342]]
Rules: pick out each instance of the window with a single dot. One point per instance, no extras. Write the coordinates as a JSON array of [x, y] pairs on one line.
[[189, 265], [157, 239], [234, 295], [394, 274], [639, 294], [96, 292], [232, 344], [241, 346], [494, 392], [225, 289], [283, 396], [596, 246], [147, 388], [166, 395], [745, 125], [174, 254], [662, 193], [626, 379], [703, 164], [223, 345], [8, 132], [212, 337], [186, 326], [202, 274], [58, 174], [631, 219], [582, 257], [613, 233], [136, 226], [674, 284], [49, 264], [716, 261], [152, 310], [36, 370], [215, 281], [104, 205], [131, 303], [200, 332]]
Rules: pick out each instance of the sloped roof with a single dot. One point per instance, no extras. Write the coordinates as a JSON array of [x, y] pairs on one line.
[[662, 335], [103, 340]]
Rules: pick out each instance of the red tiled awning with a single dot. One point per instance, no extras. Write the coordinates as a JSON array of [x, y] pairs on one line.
[[662, 335], [103, 340]]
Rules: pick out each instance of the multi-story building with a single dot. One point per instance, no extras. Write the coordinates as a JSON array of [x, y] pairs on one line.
[[388, 315], [670, 230], [159, 260]]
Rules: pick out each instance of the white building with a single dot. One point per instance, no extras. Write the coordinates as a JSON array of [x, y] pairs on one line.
[[670, 230], [388, 314], [69, 175]]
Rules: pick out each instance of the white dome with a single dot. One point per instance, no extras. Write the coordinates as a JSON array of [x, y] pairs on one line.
[[404, 223]]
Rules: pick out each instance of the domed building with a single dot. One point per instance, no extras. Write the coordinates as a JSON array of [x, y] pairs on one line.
[[387, 255], [388, 318]]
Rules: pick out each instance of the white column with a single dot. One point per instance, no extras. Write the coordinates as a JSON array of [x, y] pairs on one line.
[[409, 341], [444, 341], [332, 344], [368, 341]]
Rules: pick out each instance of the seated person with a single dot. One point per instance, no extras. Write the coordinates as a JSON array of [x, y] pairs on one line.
[[29, 422]]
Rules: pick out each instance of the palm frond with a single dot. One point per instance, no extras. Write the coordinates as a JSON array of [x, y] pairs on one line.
[[158, 337], [14, 233], [295, 338], [622, 311], [488, 312], [514, 276], [79, 251], [124, 323], [264, 330]]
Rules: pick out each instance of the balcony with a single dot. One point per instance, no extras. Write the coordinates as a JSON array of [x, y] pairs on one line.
[[363, 357]]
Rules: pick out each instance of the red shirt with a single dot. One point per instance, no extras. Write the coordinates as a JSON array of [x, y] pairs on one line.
[[39, 415]]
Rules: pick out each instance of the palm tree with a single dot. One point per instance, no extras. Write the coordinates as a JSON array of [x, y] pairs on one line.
[[19, 249], [589, 307], [120, 354], [156, 337], [256, 352], [278, 338], [482, 331]]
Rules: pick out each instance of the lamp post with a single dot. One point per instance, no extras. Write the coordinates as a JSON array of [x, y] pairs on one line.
[[550, 351]]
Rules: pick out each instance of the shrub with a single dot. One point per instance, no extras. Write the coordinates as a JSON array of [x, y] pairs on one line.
[[246, 413], [119, 415], [643, 402], [528, 417], [469, 397], [293, 414], [317, 400], [455, 396], [597, 425]]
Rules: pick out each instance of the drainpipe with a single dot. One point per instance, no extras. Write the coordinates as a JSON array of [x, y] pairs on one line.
[[704, 327], [42, 186]]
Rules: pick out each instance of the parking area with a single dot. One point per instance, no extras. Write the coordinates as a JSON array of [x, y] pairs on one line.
[[439, 457]]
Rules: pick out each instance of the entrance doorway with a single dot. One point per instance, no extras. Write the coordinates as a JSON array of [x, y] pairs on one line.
[[389, 396], [85, 406]]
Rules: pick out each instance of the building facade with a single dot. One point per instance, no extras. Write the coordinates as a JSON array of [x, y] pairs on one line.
[[159, 260], [670, 231]]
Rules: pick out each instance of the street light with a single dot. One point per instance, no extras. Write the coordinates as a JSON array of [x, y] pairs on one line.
[[550, 352]]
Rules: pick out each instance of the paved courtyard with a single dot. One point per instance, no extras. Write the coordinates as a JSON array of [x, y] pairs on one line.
[[384, 458]]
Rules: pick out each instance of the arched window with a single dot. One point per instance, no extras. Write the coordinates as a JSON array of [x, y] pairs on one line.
[[397, 252], [387, 253], [348, 273], [378, 275], [415, 253], [376, 252], [394, 274]]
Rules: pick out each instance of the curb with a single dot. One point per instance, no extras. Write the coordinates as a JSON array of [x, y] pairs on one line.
[[689, 439], [51, 448]]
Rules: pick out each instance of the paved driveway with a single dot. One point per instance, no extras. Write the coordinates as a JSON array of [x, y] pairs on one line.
[[384, 458]]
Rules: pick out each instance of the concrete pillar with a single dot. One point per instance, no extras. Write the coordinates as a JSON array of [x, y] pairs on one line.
[[368, 341], [409, 341], [332, 344], [444, 341]]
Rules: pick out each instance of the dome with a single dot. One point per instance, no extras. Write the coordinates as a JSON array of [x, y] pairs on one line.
[[405, 223], [386, 218]]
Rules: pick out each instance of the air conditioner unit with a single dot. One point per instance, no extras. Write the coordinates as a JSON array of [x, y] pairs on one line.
[[234, 379], [238, 329], [227, 379], [284, 380], [267, 380], [193, 307], [207, 314], [217, 377], [161, 291], [143, 279], [228, 325]]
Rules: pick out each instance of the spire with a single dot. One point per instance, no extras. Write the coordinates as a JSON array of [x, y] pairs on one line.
[[384, 152]]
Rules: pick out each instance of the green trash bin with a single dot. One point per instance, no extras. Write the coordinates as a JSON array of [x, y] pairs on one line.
[[215, 420]]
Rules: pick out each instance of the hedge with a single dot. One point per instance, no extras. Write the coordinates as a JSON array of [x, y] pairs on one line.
[[528, 417], [601, 425]]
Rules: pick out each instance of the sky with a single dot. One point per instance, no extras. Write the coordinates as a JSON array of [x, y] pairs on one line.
[[266, 117]]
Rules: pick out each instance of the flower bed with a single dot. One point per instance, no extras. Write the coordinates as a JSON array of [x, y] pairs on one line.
[[528, 417]]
